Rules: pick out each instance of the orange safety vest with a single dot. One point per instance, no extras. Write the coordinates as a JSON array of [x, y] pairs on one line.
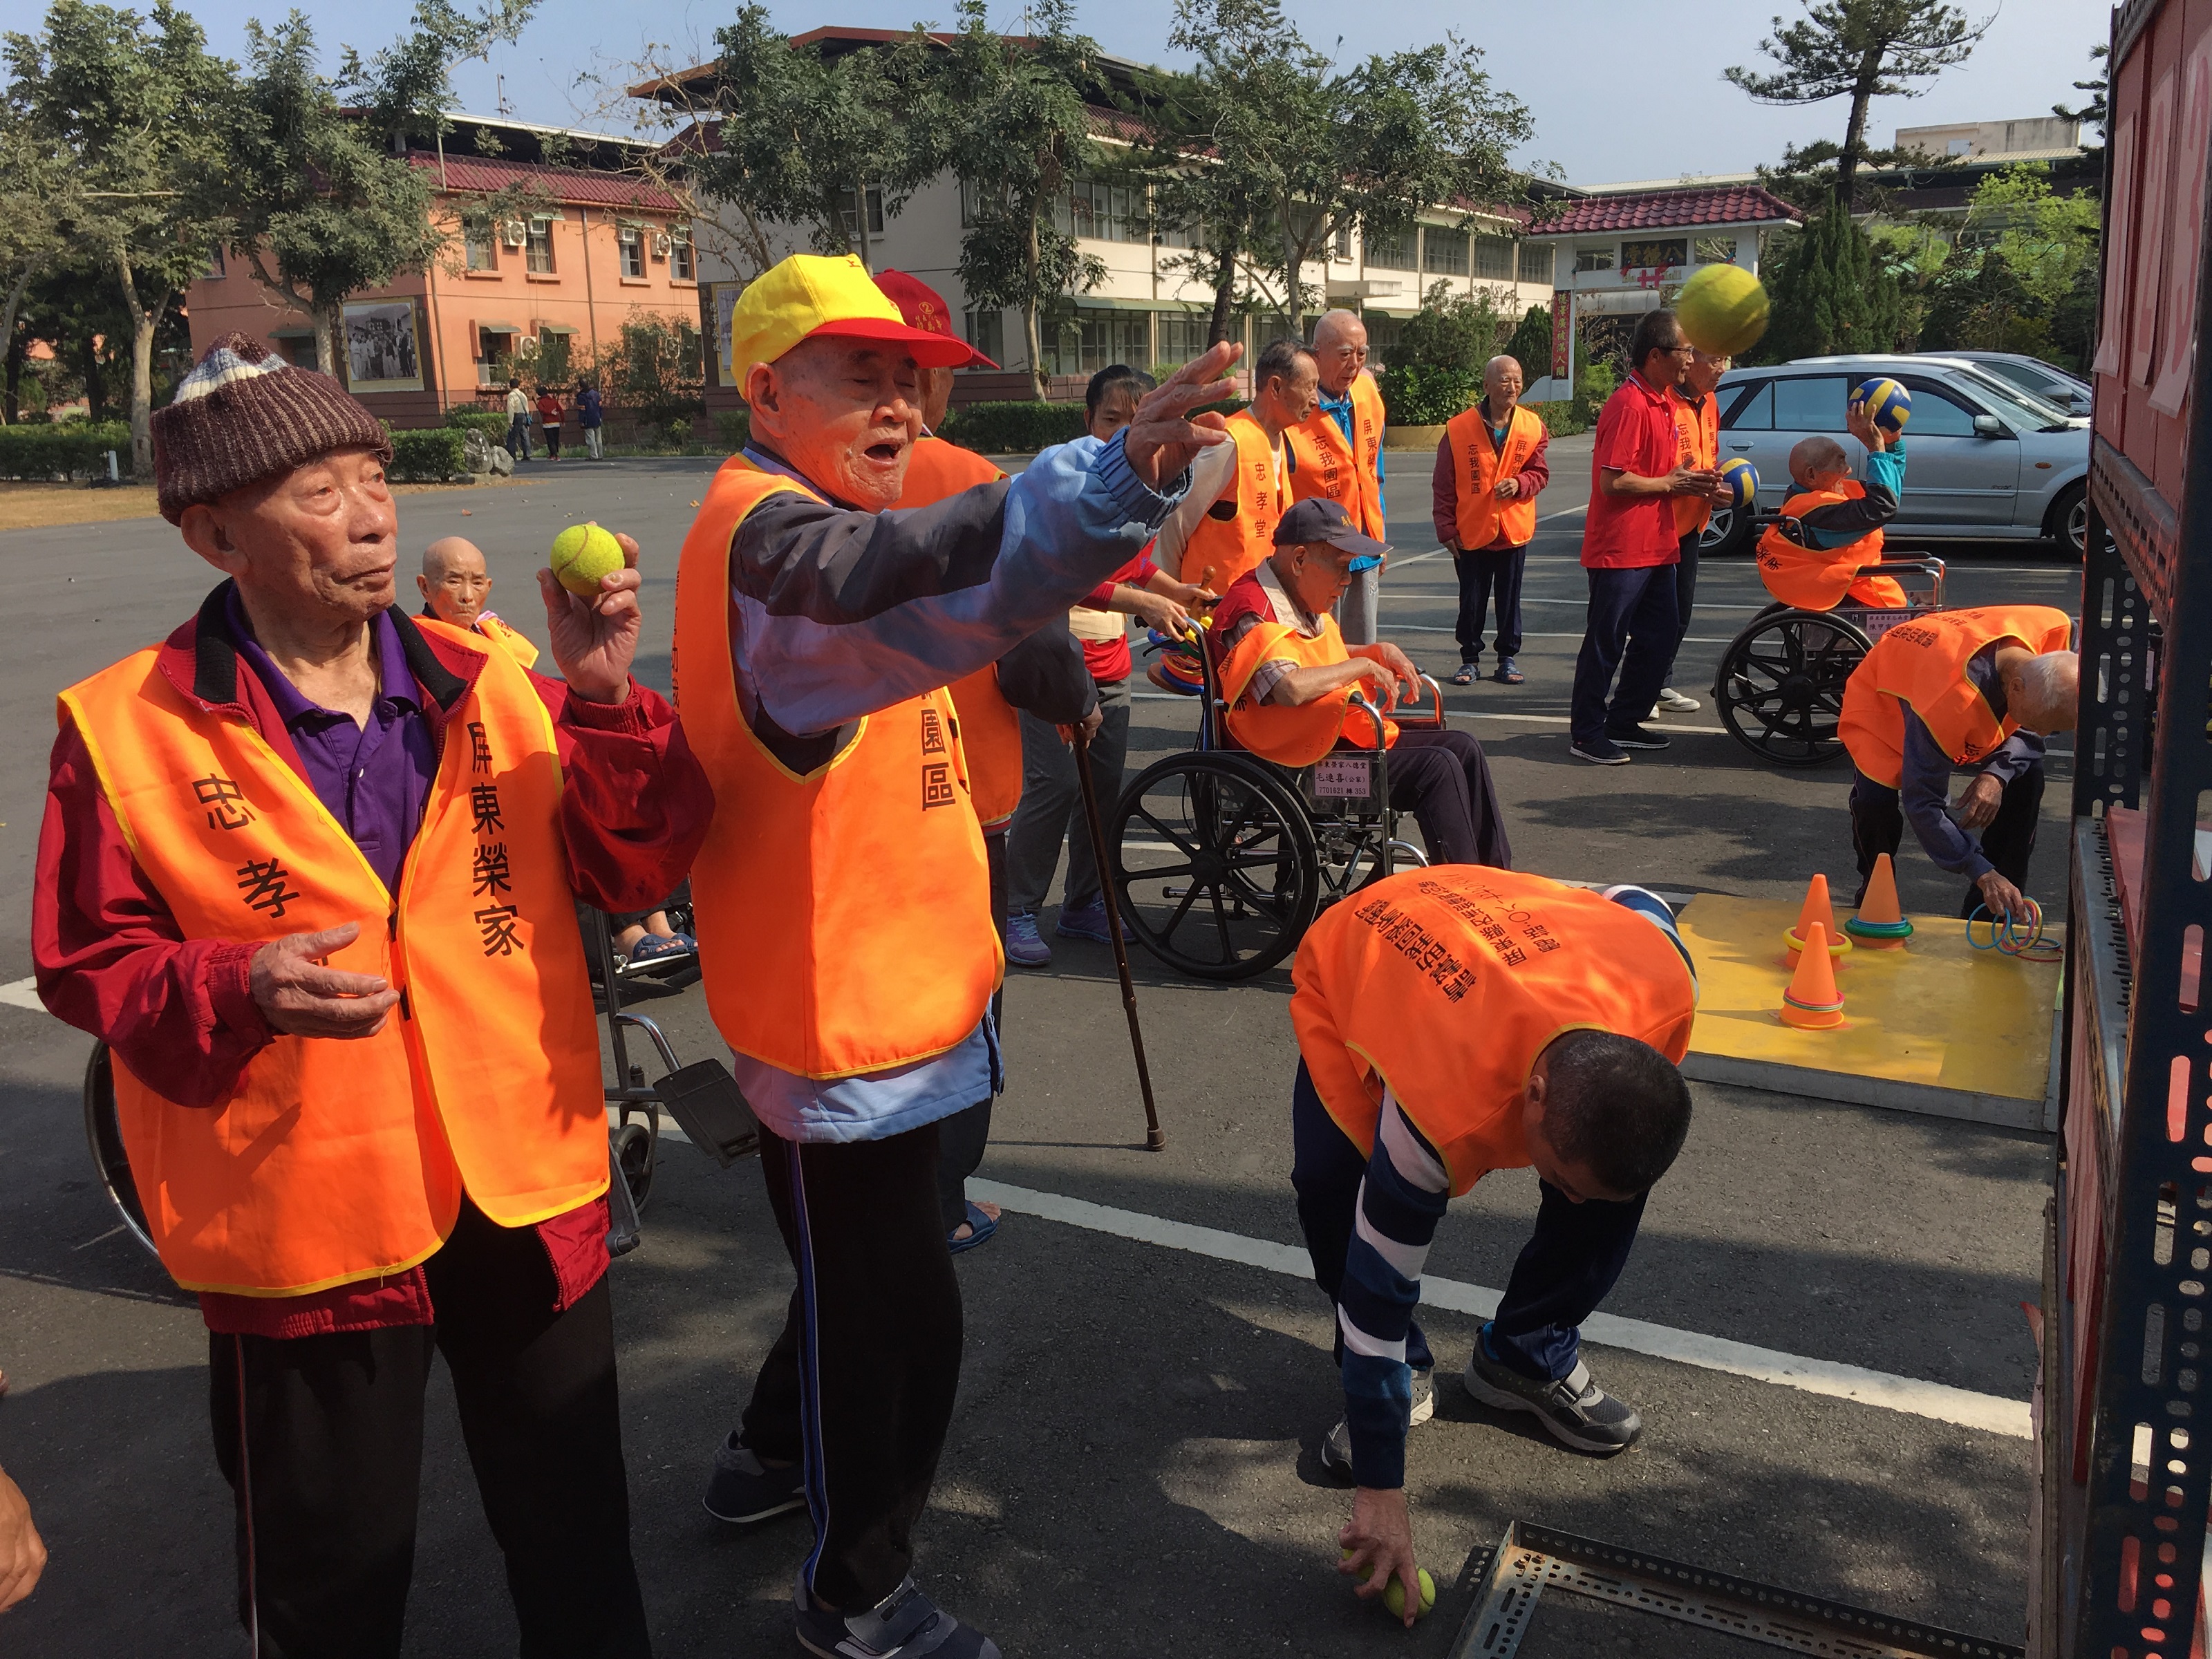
[[844, 915], [1300, 736], [1699, 428], [1821, 579], [1477, 465], [1922, 663], [502, 633], [338, 1160], [1346, 472], [1238, 532], [990, 732], [1444, 985]]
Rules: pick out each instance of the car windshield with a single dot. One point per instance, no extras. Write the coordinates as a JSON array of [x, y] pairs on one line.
[[2015, 404]]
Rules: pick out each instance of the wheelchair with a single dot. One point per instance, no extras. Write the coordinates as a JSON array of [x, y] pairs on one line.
[[633, 1138], [1220, 860], [1779, 687]]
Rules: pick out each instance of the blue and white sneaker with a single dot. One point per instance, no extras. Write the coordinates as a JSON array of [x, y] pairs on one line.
[[904, 1624], [1088, 922], [1025, 946]]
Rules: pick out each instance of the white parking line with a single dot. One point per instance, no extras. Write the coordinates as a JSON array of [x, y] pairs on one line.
[[1990, 1412], [22, 993]]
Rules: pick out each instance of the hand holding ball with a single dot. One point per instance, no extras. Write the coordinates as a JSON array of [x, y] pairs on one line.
[[1393, 1593], [1722, 310], [1740, 479], [583, 556], [1886, 403]]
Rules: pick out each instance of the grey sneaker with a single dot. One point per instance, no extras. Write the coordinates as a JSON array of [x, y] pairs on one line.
[[1576, 1411], [1336, 1444], [904, 1624]]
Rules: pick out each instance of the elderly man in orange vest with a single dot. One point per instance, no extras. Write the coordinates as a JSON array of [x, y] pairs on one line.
[[455, 583], [309, 868], [1973, 690], [844, 930], [1452, 1021], [1491, 466], [1338, 448], [1225, 525]]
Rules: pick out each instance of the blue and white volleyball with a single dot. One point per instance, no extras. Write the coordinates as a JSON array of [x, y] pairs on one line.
[[1887, 404], [1742, 479]]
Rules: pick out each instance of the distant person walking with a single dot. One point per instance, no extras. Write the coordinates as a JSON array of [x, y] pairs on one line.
[[1630, 548], [518, 421], [590, 416], [550, 416], [1339, 450], [1489, 467]]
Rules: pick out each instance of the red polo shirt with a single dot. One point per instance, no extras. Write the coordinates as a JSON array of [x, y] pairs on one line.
[[1635, 434]]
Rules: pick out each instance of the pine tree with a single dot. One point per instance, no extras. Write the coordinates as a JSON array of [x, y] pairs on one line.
[[1831, 295], [1531, 344]]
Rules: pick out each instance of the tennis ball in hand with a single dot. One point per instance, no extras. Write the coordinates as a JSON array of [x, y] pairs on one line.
[[1393, 1593], [1722, 310], [582, 555]]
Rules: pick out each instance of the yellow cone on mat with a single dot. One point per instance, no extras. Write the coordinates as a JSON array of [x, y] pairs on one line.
[[1816, 911], [1812, 1003], [1880, 923]]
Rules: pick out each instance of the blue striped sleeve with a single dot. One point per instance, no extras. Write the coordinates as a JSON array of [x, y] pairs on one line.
[[1401, 1200]]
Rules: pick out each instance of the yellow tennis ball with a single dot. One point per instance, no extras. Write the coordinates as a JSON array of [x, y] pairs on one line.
[[1722, 310], [582, 553], [1393, 1593]]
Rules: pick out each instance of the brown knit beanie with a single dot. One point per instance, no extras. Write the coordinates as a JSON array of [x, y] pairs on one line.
[[243, 414]]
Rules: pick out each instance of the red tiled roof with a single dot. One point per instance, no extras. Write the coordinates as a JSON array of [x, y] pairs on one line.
[[472, 174], [1655, 209]]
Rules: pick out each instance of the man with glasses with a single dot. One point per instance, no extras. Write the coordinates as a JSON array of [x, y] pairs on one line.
[[1630, 549]]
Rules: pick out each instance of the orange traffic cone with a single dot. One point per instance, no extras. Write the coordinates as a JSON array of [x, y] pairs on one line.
[[1816, 911], [1812, 1003], [1880, 925]]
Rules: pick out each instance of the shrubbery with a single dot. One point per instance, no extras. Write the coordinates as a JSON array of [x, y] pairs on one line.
[[492, 422], [427, 455], [1422, 394], [734, 427], [1013, 428], [72, 449]]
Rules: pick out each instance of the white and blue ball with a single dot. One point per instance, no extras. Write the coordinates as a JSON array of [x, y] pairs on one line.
[[1742, 479], [1887, 404]]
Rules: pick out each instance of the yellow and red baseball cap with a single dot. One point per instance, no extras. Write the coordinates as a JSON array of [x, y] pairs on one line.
[[809, 295]]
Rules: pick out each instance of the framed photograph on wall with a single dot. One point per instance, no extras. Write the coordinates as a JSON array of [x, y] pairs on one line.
[[382, 347]]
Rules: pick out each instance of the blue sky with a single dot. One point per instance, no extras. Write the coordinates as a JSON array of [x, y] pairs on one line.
[[1581, 66]]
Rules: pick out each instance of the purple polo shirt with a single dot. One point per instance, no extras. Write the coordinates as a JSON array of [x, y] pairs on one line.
[[374, 779]]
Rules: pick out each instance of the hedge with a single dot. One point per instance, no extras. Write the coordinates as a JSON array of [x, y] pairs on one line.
[[427, 455], [735, 428], [489, 421], [72, 449], [1013, 428], [1420, 394]]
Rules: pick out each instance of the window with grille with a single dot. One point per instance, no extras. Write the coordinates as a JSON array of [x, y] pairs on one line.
[[680, 267], [632, 250], [1536, 262], [1093, 340], [538, 249], [987, 331], [481, 240], [1593, 258], [1104, 212], [1343, 241], [1443, 252], [850, 215], [1493, 257], [1390, 250], [1183, 336]]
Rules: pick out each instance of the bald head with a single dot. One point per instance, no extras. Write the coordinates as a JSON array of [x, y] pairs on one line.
[[455, 580], [1501, 385], [1339, 350], [1818, 460]]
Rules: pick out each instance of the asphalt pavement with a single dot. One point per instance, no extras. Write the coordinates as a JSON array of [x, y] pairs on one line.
[[1132, 1469]]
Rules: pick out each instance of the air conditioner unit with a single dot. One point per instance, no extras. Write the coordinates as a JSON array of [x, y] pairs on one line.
[[514, 232], [628, 235], [660, 245]]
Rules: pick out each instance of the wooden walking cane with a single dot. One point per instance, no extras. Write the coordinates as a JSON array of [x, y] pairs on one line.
[[1155, 1139]]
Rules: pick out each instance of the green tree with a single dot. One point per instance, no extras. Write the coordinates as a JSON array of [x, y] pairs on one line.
[[2096, 108], [1830, 293], [34, 207], [315, 191], [1017, 134], [1860, 49], [126, 99], [805, 139], [1321, 151], [1531, 344], [2046, 238], [1198, 189]]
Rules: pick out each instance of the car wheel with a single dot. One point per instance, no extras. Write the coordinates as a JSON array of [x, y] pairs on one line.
[[1726, 533], [2069, 518]]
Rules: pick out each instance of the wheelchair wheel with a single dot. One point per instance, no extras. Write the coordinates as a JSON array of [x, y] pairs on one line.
[[1780, 687], [103, 1133], [633, 1151], [1214, 865]]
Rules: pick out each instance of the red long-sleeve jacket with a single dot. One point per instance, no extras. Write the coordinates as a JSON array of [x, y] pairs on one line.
[[111, 959]]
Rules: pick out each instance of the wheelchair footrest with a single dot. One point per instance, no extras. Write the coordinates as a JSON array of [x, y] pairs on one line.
[[710, 1108]]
